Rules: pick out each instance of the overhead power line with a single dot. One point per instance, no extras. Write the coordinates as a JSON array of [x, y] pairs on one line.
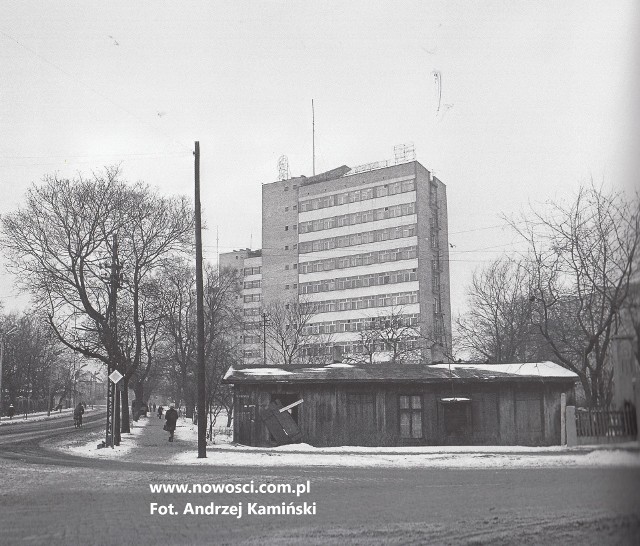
[[90, 88]]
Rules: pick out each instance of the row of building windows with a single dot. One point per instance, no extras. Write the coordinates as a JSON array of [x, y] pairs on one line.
[[252, 270], [364, 302], [354, 218], [252, 353], [251, 339], [354, 239], [355, 196], [359, 281], [252, 284], [354, 325], [356, 260], [359, 348], [251, 297], [252, 311]]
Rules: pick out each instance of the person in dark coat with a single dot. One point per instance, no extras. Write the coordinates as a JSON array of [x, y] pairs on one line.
[[77, 415], [171, 418], [11, 411], [160, 410]]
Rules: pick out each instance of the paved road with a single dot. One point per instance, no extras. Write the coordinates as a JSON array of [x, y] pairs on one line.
[[28, 430], [50, 499]]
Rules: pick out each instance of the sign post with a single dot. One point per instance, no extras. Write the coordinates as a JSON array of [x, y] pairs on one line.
[[114, 377]]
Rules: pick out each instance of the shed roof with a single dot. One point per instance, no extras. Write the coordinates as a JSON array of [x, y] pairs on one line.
[[400, 373]]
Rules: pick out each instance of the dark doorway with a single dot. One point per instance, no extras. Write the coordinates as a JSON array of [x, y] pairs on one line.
[[455, 425], [361, 419], [246, 413]]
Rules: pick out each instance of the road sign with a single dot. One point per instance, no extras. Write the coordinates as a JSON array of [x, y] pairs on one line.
[[115, 376]]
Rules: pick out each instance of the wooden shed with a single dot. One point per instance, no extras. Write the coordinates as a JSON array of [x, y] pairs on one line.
[[406, 404]]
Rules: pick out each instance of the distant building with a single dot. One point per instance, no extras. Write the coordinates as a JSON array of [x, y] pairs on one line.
[[248, 264], [626, 369], [359, 246]]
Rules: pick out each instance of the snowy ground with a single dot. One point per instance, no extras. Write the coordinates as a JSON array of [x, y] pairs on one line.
[[148, 443], [42, 416], [89, 448]]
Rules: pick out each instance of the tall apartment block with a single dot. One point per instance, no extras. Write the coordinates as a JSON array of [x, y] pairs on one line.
[[357, 245], [248, 264]]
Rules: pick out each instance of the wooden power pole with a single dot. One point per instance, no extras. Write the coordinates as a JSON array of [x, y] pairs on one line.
[[202, 410]]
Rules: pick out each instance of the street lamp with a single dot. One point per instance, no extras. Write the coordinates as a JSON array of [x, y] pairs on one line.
[[3, 337]]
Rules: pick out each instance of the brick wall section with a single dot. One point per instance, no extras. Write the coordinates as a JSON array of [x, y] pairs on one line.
[[279, 245], [424, 255], [445, 279]]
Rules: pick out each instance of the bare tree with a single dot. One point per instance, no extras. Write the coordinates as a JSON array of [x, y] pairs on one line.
[[286, 330], [393, 337], [84, 248], [222, 331], [498, 324], [581, 257], [35, 368]]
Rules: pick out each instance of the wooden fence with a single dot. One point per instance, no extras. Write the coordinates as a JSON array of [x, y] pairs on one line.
[[604, 426]]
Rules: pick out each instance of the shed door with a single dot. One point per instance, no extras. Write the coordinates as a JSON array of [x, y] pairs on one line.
[[529, 418], [361, 419], [245, 413]]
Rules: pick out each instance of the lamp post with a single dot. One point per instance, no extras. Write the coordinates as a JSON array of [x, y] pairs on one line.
[[3, 337]]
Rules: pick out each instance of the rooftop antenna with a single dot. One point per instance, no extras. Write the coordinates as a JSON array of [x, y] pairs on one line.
[[404, 153], [313, 136], [283, 168]]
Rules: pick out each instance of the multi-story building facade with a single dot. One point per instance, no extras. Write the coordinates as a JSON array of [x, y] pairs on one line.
[[358, 248], [248, 264]]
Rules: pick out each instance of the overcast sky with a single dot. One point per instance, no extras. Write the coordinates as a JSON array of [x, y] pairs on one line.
[[536, 98]]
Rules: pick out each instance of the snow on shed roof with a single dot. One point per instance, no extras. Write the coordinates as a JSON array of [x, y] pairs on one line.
[[525, 369], [400, 373]]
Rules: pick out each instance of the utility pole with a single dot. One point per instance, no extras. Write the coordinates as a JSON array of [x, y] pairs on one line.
[[202, 413], [113, 403], [264, 339]]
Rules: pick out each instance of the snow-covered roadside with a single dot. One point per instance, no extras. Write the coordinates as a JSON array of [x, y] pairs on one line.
[[89, 448], [42, 416], [241, 457], [224, 453], [154, 448]]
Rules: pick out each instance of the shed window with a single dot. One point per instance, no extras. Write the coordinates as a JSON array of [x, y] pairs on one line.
[[455, 419], [410, 417]]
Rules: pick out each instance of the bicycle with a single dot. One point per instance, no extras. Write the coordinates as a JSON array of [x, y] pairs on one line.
[[77, 421]]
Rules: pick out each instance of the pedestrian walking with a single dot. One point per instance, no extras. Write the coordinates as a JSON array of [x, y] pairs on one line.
[[77, 415], [11, 411], [171, 419], [160, 410], [154, 406]]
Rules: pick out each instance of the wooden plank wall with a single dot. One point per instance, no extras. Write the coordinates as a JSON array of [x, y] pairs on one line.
[[323, 416]]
